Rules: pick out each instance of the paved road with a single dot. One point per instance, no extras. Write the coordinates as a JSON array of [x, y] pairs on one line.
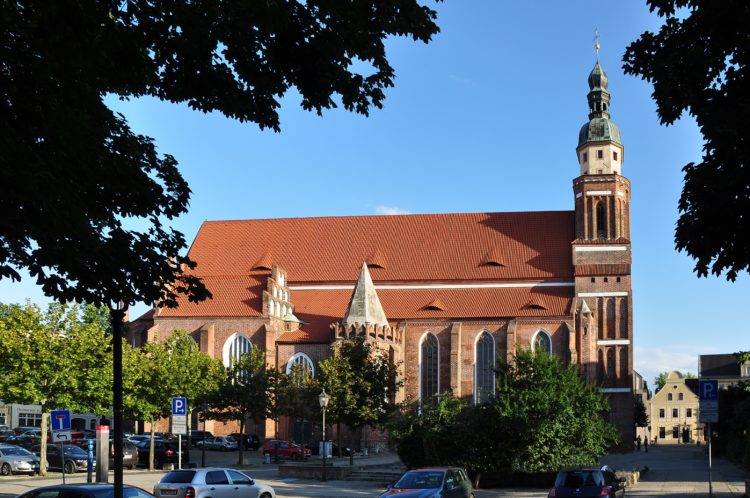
[[674, 472]]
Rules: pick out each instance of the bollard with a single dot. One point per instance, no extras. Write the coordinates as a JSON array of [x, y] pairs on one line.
[[266, 458]]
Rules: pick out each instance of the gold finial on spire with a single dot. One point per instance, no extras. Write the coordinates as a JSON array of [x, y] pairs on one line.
[[596, 43]]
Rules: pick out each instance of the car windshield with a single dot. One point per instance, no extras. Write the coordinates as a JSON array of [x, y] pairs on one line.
[[178, 476], [580, 479], [15, 451], [73, 450], [420, 480]]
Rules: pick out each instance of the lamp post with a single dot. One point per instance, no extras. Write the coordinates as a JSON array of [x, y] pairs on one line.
[[203, 446], [323, 400]]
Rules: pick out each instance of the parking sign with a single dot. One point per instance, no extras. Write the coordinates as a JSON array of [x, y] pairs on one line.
[[708, 395], [179, 406]]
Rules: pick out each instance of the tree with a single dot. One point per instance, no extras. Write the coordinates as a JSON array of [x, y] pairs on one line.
[[56, 358], [639, 413], [174, 367], [361, 382], [242, 393], [299, 399], [74, 173], [661, 379], [698, 62]]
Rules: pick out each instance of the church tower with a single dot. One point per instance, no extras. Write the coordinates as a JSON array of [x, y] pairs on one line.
[[602, 258]]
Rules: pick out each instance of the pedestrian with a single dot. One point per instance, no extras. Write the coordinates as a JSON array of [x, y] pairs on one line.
[[638, 442], [645, 444]]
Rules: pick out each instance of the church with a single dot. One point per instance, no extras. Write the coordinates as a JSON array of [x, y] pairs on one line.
[[445, 295]]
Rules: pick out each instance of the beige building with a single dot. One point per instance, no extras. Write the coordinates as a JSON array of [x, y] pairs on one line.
[[673, 412]]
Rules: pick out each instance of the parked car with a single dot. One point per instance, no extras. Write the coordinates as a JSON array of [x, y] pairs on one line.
[[210, 482], [314, 448], [25, 429], [285, 449], [85, 491], [6, 434], [129, 452], [585, 482], [251, 442], [196, 435], [164, 452], [26, 440], [17, 460], [76, 460], [142, 437], [221, 443], [432, 482]]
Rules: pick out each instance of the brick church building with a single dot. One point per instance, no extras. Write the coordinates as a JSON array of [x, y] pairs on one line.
[[445, 295]]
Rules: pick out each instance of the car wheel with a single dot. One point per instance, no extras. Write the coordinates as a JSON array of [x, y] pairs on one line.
[[265, 495], [5, 470], [70, 467]]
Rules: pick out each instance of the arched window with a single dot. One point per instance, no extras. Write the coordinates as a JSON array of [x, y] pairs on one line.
[[234, 348], [601, 221], [303, 361], [484, 367], [541, 342], [611, 363], [429, 364]]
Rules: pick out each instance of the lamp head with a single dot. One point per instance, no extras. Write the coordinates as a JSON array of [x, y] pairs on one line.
[[323, 399]]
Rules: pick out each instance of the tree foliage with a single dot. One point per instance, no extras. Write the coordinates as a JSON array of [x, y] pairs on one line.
[[639, 413], [542, 417], [361, 383], [698, 62], [161, 370], [242, 393], [57, 358], [85, 199]]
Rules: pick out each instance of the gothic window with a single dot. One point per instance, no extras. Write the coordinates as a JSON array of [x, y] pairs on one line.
[[542, 343], [428, 367], [234, 348], [601, 221], [484, 365], [624, 363], [611, 363], [304, 363]]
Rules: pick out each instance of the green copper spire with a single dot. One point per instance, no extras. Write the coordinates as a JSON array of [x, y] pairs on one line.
[[599, 128]]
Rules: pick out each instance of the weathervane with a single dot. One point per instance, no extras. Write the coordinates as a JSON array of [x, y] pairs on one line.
[[596, 43]]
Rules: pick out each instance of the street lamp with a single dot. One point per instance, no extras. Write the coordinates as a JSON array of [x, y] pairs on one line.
[[323, 400]]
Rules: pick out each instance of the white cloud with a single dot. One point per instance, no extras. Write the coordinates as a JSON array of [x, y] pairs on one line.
[[651, 361], [390, 210]]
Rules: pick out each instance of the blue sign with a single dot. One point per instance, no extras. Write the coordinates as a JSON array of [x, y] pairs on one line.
[[60, 420], [179, 406], [708, 390]]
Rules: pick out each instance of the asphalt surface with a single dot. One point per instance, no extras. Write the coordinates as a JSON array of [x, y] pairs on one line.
[[673, 471]]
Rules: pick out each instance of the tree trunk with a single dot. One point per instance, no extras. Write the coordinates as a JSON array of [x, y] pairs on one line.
[[43, 450], [351, 447], [151, 448], [338, 437], [241, 442]]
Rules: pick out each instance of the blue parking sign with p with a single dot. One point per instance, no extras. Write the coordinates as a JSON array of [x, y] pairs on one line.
[[179, 406], [708, 390]]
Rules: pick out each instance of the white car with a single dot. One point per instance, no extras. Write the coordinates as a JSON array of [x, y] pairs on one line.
[[17, 460], [221, 443], [211, 482]]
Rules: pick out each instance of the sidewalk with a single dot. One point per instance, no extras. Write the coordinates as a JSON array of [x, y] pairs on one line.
[[679, 471]]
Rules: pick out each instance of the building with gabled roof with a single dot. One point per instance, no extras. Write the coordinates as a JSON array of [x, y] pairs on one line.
[[446, 294]]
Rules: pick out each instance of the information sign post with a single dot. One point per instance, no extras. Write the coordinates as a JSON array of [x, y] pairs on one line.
[[179, 424], [708, 396]]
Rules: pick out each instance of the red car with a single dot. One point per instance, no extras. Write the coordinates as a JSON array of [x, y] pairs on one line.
[[285, 449]]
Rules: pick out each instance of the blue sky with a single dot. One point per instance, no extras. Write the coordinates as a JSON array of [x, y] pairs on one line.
[[484, 118]]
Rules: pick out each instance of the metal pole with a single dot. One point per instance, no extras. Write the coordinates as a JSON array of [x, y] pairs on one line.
[[179, 451], [203, 445], [325, 444], [710, 483], [62, 460], [117, 317]]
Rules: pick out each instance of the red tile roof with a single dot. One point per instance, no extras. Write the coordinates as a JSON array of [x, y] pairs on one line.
[[533, 246]]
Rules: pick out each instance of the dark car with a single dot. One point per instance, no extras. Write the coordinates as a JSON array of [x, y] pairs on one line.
[[129, 452], [164, 452], [85, 491], [581, 483], [26, 440], [316, 446], [444, 482], [76, 460], [251, 442], [196, 435]]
